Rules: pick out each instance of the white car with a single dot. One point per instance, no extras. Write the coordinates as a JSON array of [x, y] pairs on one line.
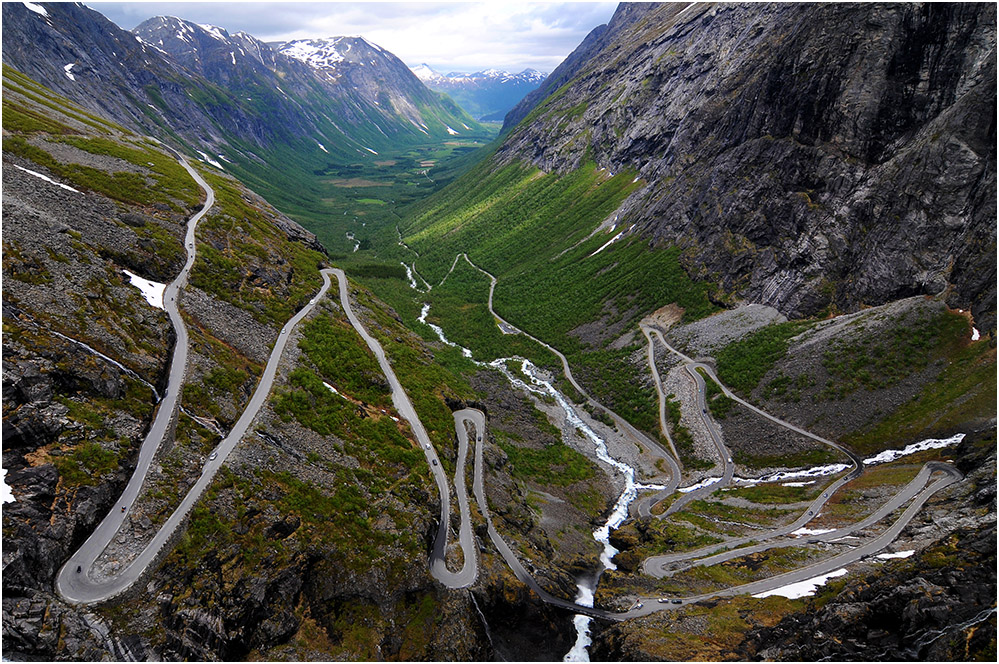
[[213, 456]]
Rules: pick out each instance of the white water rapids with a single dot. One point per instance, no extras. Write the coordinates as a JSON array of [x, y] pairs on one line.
[[539, 385]]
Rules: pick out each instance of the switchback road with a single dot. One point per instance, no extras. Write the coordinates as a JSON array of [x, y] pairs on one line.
[[469, 570], [74, 581]]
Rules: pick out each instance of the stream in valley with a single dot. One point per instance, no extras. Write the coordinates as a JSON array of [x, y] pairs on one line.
[[541, 386]]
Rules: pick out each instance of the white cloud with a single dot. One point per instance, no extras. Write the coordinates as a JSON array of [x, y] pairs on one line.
[[462, 36]]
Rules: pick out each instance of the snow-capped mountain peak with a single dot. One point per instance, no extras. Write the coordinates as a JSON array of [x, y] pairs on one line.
[[485, 94], [328, 53], [425, 72]]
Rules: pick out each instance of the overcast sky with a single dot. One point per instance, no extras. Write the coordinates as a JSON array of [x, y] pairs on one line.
[[449, 36]]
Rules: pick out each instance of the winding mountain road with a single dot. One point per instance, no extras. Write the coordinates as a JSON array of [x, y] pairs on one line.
[[74, 585], [919, 490], [657, 380], [656, 566], [469, 570], [75, 581], [643, 441]]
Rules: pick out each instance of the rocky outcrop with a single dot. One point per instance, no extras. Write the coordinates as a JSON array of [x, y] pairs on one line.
[[807, 157], [941, 607]]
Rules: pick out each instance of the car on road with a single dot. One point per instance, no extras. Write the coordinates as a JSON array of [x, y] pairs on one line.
[[435, 462], [810, 512], [213, 456], [677, 601]]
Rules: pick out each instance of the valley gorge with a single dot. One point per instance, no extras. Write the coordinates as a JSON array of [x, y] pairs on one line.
[[711, 318]]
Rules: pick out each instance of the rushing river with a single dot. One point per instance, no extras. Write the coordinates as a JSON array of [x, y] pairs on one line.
[[541, 386]]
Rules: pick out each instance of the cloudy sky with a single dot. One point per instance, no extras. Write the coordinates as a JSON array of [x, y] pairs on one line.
[[449, 36]]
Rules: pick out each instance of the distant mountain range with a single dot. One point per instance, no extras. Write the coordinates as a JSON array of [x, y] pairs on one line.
[[487, 95], [231, 95], [270, 116]]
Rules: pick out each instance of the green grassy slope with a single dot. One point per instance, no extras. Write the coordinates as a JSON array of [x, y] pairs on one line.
[[536, 233]]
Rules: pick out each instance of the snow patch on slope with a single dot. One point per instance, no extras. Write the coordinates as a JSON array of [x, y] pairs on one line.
[[151, 290], [802, 588], [209, 160], [38, 9], [46, 178]]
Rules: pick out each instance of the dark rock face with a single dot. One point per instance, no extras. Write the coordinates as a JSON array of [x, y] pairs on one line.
[[804, 156], [597, 39], [926, 612]]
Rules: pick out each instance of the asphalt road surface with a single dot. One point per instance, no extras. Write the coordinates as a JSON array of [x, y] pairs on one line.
[[438, 568], [78, 586]]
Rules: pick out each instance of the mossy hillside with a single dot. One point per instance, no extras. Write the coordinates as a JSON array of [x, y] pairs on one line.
[[167, 182], [338, 530], [245, 259], [51, 105], [222, 379], [962, 392], [358, 416], [743, 363], [739, 571], [726, 519], [460, 307], [770, 494], [877, 361], [806, 458], [428, 383], [717, 631], [556, 464], [337, 355], [862, 496], [68, 279], [894, 376]]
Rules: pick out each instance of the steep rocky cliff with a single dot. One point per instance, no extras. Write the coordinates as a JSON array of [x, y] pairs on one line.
[[810, 157]]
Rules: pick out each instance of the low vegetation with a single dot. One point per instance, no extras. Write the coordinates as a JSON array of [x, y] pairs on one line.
[[742, 364], [557, 464], [770, 494], [246, 260], [736, 572], [876, 361]]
